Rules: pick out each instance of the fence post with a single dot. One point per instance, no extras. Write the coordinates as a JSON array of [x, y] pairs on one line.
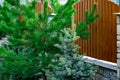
[[118, 45]]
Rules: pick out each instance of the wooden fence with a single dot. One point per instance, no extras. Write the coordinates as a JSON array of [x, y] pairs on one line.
[[102, 41]]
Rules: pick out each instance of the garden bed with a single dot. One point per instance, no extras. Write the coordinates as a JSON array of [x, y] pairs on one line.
[[107, 70]]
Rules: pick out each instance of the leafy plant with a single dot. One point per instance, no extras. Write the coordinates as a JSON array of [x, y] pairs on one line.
[[31, 37]]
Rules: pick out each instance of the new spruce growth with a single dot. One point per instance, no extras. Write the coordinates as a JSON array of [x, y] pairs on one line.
[[67, 40]]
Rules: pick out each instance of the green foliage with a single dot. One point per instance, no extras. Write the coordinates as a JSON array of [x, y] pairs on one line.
[[67, 40], [71, 65], [72, 68], [15, 65], [32, 37], [31, 33], [91, 16], [83, 27]]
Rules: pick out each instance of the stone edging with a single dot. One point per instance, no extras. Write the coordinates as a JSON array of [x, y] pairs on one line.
[[101, 63]]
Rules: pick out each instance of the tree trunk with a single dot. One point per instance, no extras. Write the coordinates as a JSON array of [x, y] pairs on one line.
[[44, 76]]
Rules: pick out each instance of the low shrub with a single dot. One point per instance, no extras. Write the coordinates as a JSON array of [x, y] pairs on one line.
[[71, 65]]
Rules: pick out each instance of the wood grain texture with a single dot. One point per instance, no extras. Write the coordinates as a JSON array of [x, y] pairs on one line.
[[102, 41]]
